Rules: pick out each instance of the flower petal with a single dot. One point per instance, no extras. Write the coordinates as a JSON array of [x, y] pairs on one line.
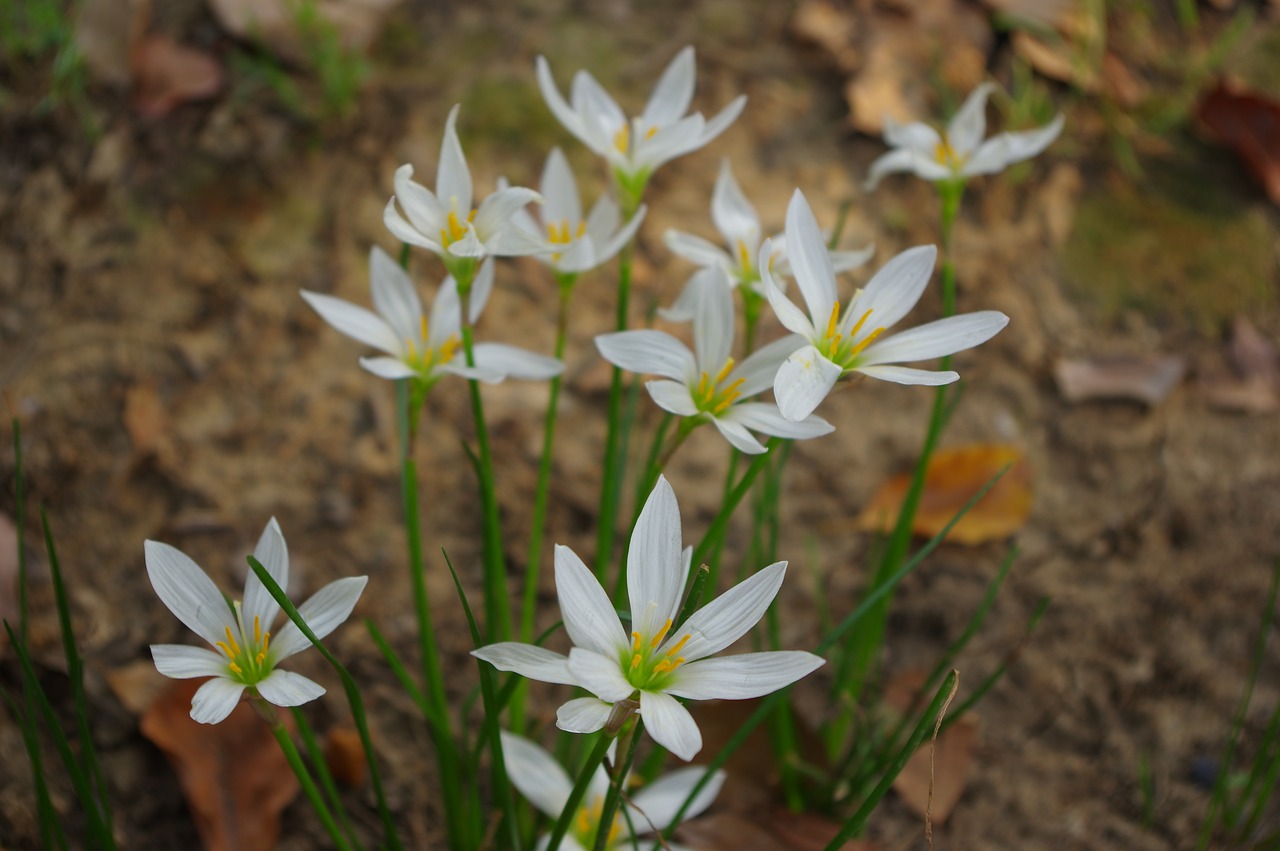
[[394, 297], [402, 230], [589, 616], [907, 375], [969, 124], [728, 617], [737, 435], [896, 160], [672, 396], [583, 715], [188, 592], [761, 366], [527, 660], [766, 419], [655, 571], [285, 688], [516, 362], [744, 676], [535, 774], [422, 208], [914, 135], [481, 289], [273, 554], [673, 93], [894, 289], [560, 108], [732, 212], [648, 352], [215, 700], [936, 339], [453, 177], [695, 249], [723, 119], [807, 254], [560, 200], [1001, 151], [671, 141], [713, 320], [658, 803], [446, 314], [670, 724], [600, 675], [791, 317], [843, 261], [323, 613], [803, 381], [356, 322], [385, 367], [182, 662], [495, 212]]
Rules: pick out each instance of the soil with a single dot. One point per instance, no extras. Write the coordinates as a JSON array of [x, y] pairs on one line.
[[172, 385]]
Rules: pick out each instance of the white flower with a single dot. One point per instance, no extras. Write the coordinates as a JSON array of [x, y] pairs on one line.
[[652, 663], [707, 384], [540, 778], [736, 219], [245, 654], [578, 244], [418, 347], [960, 153], [635, 148], [445, 222], [839, 344]]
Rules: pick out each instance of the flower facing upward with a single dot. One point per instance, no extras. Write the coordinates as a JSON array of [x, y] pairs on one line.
[[445, 222], [739, 224], [706, 384], [578, 244], [960, 153], [245, 653], [839, 344], [635, 148], [421, 347], [654, 663], [540, 778]]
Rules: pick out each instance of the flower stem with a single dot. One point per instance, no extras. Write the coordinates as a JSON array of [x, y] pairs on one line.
[[571, 805], [617, 777], [304, 777], [615, 449]]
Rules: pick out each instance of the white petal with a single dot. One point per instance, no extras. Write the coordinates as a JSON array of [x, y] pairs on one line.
[[323, 613], [583, 715], [732, 212], [423, 209], [672, 396], [914, 135], [453, 177], [761, 366], [655, 571], [695, 249], [713, 320], [527, 660], [740, 677], [803, 381], [600, 675], [394, 296], [535, 774], [737, 435], [896, 160], [670, 724], [182, 662], [671, 141], [589, 616], [215, 700], [402, 230], [673, 93], [285, 688], [728, 617], [600, 115], [458, 366], [723, 119], [611, 246], [558, 105], [385, 367], [446, 314], [807, 254], [1000, 151], [936, 339], [273, 554], [969, 124], [766, 419], [604, 219], [648, 352], [843, 261], [662, 799], [907, 375], [188, 592], [560, 201], [356, 322], [470, 244], [895, 289], [513, 241], [496, 211], [791, 317], [517, 363], [481, 288]]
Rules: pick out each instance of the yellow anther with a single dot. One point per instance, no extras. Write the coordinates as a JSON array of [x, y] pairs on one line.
[[744, 256], [652, 131], [662, 666], [622, 139], [662, 633], [635, 642], [423, 329], [584, 822], [834, 320], [635, 661], [222, 645], [945, 154], [235, 669], [870, 338], [231, 642], [679, 644], [582, 228], [257, 630], [858, 327], [260, 657], [266, 641], [448, 348], [724, 371]]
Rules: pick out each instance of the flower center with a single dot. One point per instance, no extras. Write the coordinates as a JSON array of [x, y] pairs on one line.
[[746, 271], [423, 357], [946, 155], [713, 399], [560, 234], [622, 139], [644, 667], [841, 349], [587, 823], [249, 658], [454, 229]]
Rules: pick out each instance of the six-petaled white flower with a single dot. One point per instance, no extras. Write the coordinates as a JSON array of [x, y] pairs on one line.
[[578, 244], [651, 809], [707, 384], [838, 344], [738, 223], [421, 347], [444, 221], [635, 148], [959, 153], [245, 653], [654, 663]]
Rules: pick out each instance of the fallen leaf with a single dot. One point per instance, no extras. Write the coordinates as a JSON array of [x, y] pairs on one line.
[[1251, 353], [137, 685], [167, 74], [344, 754], [1248, 123], [281, 25], [1043, 12], [811, 832], [777, 830], [953, 477], [950, 761], [1064, 58], [1143, 379], [235, 779], [105, 32], [832, 28], [8, 575], [1256, 386], [145, 419]]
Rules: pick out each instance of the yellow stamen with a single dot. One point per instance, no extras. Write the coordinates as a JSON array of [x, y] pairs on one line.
[[744, 256], [662, 633], [635, 661], [231, 642], [679, 644], [653, 131], [724, 372], [635, 642], [866, 342], [222, 645], [257, 630], [834, 320], [622, 139], [858, 326], [235, 669]]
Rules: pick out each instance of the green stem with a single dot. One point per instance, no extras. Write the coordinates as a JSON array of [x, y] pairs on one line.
[[326, 777], [713, 558], [614, 450], [304, 777], [617, 777], [574, 800]]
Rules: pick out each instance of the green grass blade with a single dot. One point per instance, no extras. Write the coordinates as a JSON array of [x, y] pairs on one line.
[[321, 768]]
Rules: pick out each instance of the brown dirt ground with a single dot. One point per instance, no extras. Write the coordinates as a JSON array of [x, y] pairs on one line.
[[152, 275]]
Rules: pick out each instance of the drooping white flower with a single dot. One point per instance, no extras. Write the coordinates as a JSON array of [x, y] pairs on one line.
[[445, 222], [738, 223], [245, 653], [578, 244], [636, 147], [839, 344], [652, 663], [707, 384], [421, 347], [960, 153], [652, 808]]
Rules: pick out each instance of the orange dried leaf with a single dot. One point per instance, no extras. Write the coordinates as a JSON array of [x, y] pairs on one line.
[[344, 754], [1248, 123], [233, 774], [950, 768], [167, 74], [953, 477]]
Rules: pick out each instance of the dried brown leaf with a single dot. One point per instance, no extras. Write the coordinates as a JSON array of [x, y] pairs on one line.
[[1248, 123], [145, 419], [235, 779], [8, 575], [167, 74], [1251, 353], [953, 477], [951, 760], [1256, 386], [278, 25], [1044, 12], [137, 685], [1143, 379], [832, 28], [105, 32], [344, 754]]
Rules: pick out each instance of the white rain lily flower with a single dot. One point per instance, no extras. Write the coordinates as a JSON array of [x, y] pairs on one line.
[[635, 148], [652, 663], [738, 223], [444, 221], [707, 384], [839, 344], [245, 653], [578, 244], [420, 347], [538, 777], [960, 153]]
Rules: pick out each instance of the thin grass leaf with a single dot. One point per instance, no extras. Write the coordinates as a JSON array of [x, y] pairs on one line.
[[994, 677], [50, 826], [400, 671], [321, 768], [20, 512]]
